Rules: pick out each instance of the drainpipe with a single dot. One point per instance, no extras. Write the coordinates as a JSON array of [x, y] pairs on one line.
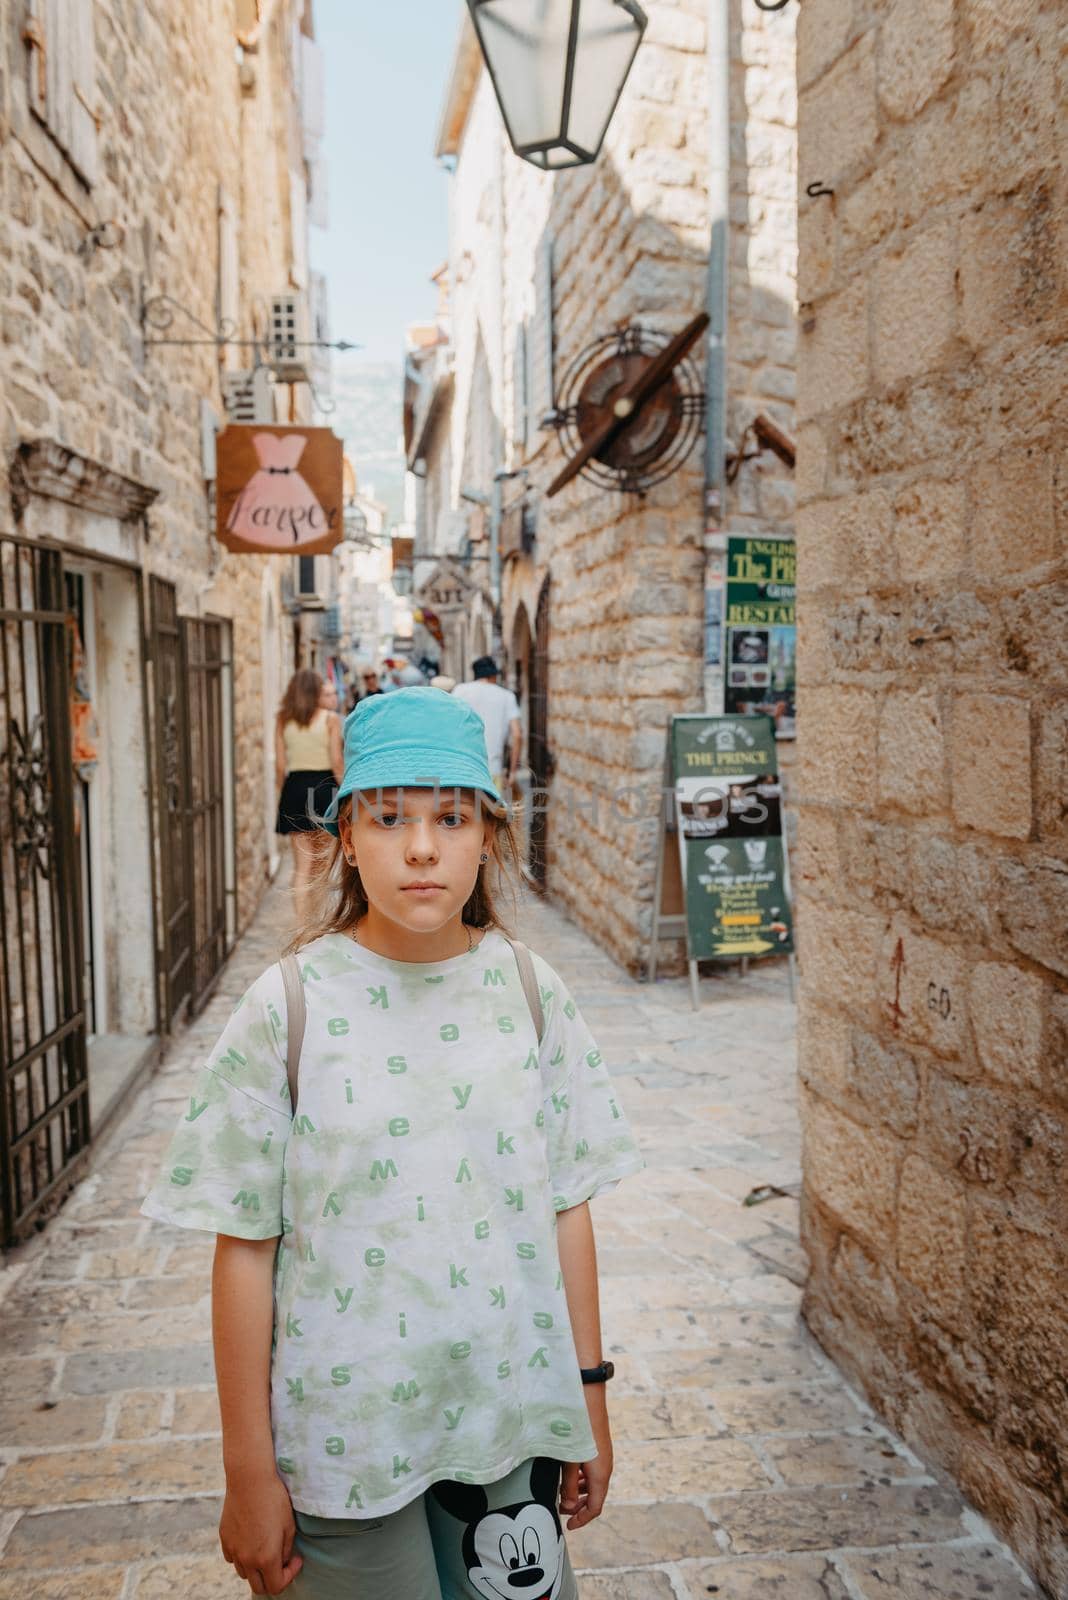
[[719, 176], [497, 513]]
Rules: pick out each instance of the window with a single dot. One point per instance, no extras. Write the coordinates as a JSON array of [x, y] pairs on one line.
[[306, 575], [61, 83]]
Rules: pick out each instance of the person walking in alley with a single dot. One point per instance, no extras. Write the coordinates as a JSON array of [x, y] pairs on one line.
[[499, 710], [308, 767], [405, 1303]]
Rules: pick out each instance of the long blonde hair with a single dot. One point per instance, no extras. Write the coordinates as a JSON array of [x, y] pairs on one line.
[[341, 900]]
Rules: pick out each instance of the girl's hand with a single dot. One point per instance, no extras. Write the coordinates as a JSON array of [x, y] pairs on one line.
[[583, 1488], [256, 1532], [584, 1484]]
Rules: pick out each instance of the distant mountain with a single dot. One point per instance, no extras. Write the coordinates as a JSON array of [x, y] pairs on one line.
[[369, 419]]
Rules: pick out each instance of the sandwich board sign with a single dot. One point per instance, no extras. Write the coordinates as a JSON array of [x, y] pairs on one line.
[[731, 889]]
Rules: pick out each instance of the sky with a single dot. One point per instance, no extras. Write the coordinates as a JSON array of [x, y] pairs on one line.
[[387, 64]]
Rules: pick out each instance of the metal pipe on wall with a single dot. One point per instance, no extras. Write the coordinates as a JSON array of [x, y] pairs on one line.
[[715, 509]]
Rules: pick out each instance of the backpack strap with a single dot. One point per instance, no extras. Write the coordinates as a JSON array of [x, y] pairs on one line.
[[296, 1018], [529, 980]]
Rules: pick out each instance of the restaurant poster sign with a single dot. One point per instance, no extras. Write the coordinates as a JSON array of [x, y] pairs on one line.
[[761, 647], [728, 802], [279, 490]]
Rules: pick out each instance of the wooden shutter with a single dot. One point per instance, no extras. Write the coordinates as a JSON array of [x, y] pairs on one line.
[[298, 220], [520, 388], [61, 64], [83, 92], [540, 355]]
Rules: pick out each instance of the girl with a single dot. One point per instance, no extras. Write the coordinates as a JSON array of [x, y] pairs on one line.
[[308, 767], [405, 1306]]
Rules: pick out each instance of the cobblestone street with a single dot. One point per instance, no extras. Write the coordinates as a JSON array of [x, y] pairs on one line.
[[745, 1465]]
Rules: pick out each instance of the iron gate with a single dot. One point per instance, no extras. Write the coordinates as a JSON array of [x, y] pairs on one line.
[[204, 648], [44, 1093], [538, 754], [172, 799]]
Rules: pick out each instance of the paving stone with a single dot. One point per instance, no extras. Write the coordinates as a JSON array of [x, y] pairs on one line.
[[651, 1585], [203, 1578], [827, 1519], [52, 1302], [677, 1291], [969, 1572], [765, 1288], [685, 1469], [634, 1536], [101, 1373], [784, 1255], [783, 1578], [136, 1330], [625, 1263], [140, 1415], [190, 1258], [848, 1458], [765, 1360], [99, 1583], [20, 1380], [663, 1416], [33, 1423], [180, 1468], [196, 1411], [122, 1532], [786, 1408], [139, 1261], [187, 1291], [669, 1328]]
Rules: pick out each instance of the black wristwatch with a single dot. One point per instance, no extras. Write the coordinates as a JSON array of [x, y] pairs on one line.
[[599, 1374]]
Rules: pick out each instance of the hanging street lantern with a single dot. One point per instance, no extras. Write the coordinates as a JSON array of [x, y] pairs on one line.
[[558, 68]]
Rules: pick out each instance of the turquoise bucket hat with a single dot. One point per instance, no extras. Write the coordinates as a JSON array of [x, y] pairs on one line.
[[414, 738]]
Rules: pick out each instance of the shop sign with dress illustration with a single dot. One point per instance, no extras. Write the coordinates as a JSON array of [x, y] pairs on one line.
[[279, 490]]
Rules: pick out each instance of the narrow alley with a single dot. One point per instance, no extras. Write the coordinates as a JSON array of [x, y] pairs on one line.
[[745, 1466]]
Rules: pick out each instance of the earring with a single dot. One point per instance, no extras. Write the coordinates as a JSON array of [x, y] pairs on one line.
[[483, 858]]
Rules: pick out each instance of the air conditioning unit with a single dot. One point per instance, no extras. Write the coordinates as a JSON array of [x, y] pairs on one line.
[[247, 395], [288, 337]]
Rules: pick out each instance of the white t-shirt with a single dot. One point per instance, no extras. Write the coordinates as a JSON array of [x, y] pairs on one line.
[[421, 1328], [498, 708]]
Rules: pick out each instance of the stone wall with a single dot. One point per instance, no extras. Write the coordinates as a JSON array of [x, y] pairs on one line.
[[934, 691], [174, 126], [631, 241]]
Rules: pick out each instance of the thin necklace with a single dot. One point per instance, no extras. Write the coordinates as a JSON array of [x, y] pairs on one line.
[[467, 930]]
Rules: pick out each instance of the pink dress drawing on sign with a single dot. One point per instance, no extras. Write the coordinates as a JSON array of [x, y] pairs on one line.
[[276, 507]]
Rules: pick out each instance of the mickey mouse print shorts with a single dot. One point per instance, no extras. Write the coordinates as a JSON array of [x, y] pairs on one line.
[[458, 1541]]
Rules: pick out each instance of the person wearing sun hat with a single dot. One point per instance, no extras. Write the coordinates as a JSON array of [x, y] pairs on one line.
[[419, 738], [405, 1305]]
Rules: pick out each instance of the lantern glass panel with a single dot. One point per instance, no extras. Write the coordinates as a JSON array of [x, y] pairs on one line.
[[608, 40], [525, 43], [558, 67]]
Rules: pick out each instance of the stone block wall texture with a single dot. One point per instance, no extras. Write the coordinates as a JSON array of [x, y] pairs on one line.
[[933, 558], [631, 238], [174, 126]]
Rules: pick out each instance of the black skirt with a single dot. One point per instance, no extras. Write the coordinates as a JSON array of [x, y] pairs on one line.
[[304, 793]]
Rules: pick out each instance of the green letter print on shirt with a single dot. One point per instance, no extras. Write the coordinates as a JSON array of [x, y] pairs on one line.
[[227, 1174]]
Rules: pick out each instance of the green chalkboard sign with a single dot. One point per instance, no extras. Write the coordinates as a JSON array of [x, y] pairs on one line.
[[728, 811]]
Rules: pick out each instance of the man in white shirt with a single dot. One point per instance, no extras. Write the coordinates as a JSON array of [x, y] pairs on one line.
[[499, 710]]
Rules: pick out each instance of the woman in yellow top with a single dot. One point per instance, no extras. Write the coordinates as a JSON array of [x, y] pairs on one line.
[[308, 768]]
